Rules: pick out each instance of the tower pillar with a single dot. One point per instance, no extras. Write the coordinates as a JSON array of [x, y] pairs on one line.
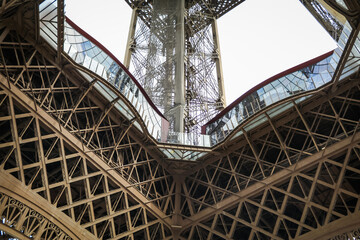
[[130, 42], [179, 103], [219, 70]]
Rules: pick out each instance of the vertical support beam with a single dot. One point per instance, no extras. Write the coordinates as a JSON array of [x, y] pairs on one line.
[[234, 223], [258, 214], [36, 21], [16, 139], [130, 41], [283, 207], [42, 158], [176, 219], [60, 28], [67, 178], [179, 103], [337, 186], [219, 71]]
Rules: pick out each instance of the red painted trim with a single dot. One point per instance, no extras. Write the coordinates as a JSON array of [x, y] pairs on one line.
[[94, 41], [262, 84]]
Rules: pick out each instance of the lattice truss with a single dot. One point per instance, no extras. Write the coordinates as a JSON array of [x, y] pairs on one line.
[[274, 183], [154, 62], [27, 220], [72, 166], [153, 59], [298, 173], [331, 24], [203, 99], [90, 178]]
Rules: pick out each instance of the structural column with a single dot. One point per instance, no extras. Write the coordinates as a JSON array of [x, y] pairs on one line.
[[130, 42], [219, 71], [179, 103], [176, 218]]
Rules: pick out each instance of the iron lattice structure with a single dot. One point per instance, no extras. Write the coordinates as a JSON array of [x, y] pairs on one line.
[[74, 166], [153, 57]]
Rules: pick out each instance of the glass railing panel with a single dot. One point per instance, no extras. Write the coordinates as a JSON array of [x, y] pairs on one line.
[[256, 122], [302, 80], [182, 155], [124, 110]]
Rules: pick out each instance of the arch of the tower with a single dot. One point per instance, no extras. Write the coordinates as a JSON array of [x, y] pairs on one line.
[[83, 152]]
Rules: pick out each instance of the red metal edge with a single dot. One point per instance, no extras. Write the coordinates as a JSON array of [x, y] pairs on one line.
[[262, 84], [94, 41]]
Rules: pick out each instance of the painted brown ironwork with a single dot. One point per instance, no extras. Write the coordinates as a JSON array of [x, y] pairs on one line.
[[73, 181], [26, 222], [304, 187], [73, 166]]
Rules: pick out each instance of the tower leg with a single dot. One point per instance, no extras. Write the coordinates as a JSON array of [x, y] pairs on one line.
[[219, 71], [179, 103], [130, 41]]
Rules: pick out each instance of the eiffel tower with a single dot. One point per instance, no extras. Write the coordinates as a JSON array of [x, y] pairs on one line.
[[87, 153]]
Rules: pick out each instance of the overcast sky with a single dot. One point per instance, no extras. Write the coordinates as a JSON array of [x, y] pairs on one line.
[[258, 39]]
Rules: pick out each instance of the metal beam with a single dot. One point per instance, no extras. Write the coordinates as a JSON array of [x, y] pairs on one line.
[[83, 150], [341, 226], [22, 193], [179, 103], [219, 69], [130, 41], [277, 177]]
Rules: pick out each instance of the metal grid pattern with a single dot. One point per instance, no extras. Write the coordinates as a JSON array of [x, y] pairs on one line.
[[50, 161], [153, 62], [329, 22], [292, 174], [90, 119], [87, 54], [215, 8], [54, 168], [19, 217], [305, 150]]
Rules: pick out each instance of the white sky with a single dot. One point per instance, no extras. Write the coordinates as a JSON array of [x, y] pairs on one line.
[[258, 39]]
